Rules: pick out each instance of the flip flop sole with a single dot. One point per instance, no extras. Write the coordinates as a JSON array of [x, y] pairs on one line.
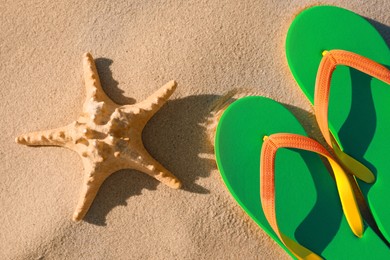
[[359, 106], [307, 204]]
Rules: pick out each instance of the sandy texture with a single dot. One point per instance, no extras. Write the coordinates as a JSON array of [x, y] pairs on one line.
[[209, 48]]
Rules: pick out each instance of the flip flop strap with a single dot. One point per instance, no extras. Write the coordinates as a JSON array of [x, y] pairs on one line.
[[321, 99], [267, 187]]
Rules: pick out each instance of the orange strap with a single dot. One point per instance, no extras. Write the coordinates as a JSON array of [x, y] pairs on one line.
[[267, 187], [321, 98]]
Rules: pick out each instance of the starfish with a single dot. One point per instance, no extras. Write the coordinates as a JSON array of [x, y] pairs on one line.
[[107, 136]]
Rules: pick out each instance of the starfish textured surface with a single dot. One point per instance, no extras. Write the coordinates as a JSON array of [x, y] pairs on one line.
[[107, 136]]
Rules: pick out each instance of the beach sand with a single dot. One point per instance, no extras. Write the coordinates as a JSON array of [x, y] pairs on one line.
[[209, 48]]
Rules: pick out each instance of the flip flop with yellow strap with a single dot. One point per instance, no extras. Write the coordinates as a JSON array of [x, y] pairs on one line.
[[340, 62]]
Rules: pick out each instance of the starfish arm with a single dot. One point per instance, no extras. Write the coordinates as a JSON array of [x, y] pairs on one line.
[[93, 87], [97, 103], [147, 164], [92, 181], [53, 137], [147, 108]]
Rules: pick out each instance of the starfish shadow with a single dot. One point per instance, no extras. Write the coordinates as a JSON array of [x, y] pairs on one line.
[[181, 132], [110, 85], [115, 191], [174, 136]]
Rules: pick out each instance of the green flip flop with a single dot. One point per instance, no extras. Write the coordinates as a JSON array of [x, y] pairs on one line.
[[359, 105], [307, 204]]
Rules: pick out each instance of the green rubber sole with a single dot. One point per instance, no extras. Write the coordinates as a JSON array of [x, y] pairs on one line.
[[359, 107], [307, 204]]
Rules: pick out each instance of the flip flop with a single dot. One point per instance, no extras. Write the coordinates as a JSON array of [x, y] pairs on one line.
[[301, 210], [355, 116]]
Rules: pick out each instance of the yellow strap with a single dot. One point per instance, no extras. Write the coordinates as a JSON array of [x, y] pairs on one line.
[[300, 252], [347, 198], [355, 167]]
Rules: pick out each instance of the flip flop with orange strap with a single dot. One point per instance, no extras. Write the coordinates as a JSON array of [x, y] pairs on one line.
[[340, 61], [273, 171]]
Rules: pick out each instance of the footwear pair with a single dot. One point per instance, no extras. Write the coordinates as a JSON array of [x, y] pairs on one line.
[[339, 60]]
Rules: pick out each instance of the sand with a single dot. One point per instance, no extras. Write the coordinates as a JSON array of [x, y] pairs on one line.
[[209, 48]]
